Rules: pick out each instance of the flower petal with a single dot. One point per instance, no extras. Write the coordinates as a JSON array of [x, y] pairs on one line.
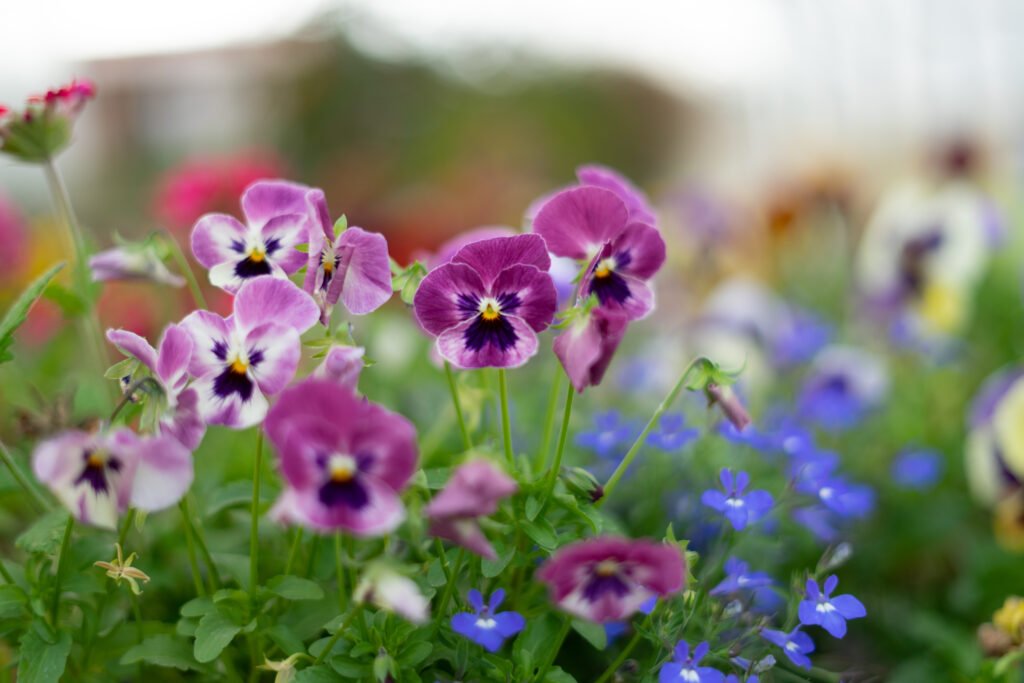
[[133, 345], [578, 221], [279, 350], [586, 348], [164, 473], [363, 279], [635, 200], [437, 300], [218, 238], [231, 410], [489, 257], [265, 199], [281, 235], [453, 346], [534, 290], [211, 335], [645, 249], [265, 299], [174, 357]]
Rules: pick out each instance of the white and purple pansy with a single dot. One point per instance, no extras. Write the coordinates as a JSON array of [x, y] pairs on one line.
[[239, 360], [265, 245], [169, 366], [344, 460], [352, 266], [610, 578], [97, 476], [486, 306], [593, 224]]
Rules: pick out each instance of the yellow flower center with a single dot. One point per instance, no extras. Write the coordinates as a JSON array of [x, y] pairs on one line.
[[943, 307], [257, 255], [604, 268], [96, 459], [606, 568], [328, 266], [239, 366], [490, 312], [342, 468]]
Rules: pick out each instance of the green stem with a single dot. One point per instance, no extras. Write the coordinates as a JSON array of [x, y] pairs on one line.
[[449, 587], [37, 498], [5, 573], [197, 533], [126, 526], [506, 425], [458, 406], [64, 545], [559, 639], [337, 634], [254, 532], [624, 654], [339, 566], [186, 270], [549, 424], [313, 548], [631, 454], [193, 561], [556, 466], [293, 552]]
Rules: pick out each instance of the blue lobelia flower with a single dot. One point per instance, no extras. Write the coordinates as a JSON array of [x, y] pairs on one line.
[[917, 469], [685, 667], [796, 644], [672, 433], [738, 507], [487, 627], [610, 434], [819, 608], [738, 577]]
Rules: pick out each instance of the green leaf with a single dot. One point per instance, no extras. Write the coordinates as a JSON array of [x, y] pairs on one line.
[[45, 535], [285, 638], [124, 368], [12, 599], [233, 494], [340, 225], [557, 675], [704, 372], [163, 650], [415, 653], [542, 533], [591, 632], [215, 632], [196, 607], [536, 643], [71, 304], [533, 507], [41, 661], [408, 280], [317, 674], [18, 312], [295, 588], [492, 568]]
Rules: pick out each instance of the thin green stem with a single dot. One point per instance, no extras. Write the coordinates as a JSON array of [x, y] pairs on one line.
[[126, 526], [5, 573], [458, 405], [549, 423], [254, 531], [453, 578], [631, 454], [339, 565], [294, 551], [624, 654], [313, 548], [506, 425], [64, 545], [559, 639], [197, 533], [337, 634], [186, 271], [37, 498], [556, 466], [193, 561]]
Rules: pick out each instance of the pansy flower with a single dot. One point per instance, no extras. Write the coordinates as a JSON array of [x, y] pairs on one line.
[[487, 305], [240, 360], [796, 645], [344, 460], [587, 345], [98, 475], [820, 608], [609, 578], [352, 266], [738, 577], [265, 245], [686, 666], [132, 262], [390, 591], [451, 247], [593, 224], [486, 626], [994, 453], [735, 503], [473, 491], [343, 364], [179, 416]]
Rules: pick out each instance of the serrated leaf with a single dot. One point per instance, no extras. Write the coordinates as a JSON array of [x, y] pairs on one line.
[[41, 661], [163, 650], [295, 588], [214, 633], [18, 312], [45, 535]]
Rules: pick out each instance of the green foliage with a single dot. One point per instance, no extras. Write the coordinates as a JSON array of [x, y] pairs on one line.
[[18, 311], [42, 657]]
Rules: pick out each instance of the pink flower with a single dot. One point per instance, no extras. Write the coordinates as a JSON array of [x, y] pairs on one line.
[[473, 491], [587, 345], [342, 364], [344, 460], [608, 579], [43, 127]]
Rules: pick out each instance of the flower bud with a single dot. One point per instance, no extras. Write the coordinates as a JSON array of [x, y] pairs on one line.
[[727, 401], [582, 484]]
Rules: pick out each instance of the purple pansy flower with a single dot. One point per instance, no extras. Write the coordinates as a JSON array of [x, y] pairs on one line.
[[593, 224], [487, 305], [636, 201], [738, 577], [344, 460], [180, 416], [819, 608], [238, 360], [234, 253], [132, 262], [796, 645], [609, 578], [917, 469], [343, 364], [473, 491], [353, 267], [486, 626], [739, 508], [97, 476], [992, 456], [449, 249], [686, 666], [586, 347], [672, 433]]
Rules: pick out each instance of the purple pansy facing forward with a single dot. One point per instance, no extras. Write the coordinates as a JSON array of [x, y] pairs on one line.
[[738, 577], [344, 459], [796, 644], [593, 224], [586, 347], [239, 360], [275, 225], [473, 491], [739, 508], [180, 416], [97, 476], [686, 668], [486, 626], [609, 578], [487, 305], [819, 608], [352, 266]]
